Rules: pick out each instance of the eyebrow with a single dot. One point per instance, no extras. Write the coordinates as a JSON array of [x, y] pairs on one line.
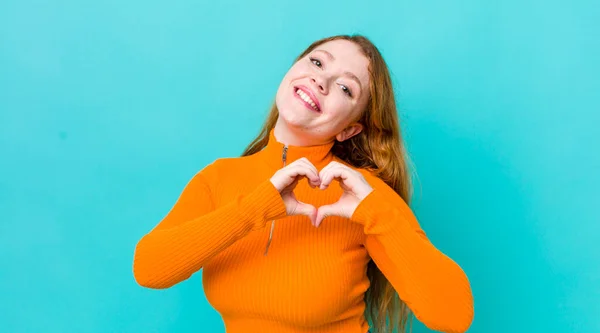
[[350, 74]]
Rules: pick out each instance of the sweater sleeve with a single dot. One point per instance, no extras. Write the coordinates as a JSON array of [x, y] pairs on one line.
[[433, 286], [193, 231]]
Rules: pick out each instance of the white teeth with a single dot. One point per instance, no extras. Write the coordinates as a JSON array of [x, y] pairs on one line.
[[306, 98]]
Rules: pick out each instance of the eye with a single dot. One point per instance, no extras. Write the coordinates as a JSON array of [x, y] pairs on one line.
[[317, 60], [347, 90]]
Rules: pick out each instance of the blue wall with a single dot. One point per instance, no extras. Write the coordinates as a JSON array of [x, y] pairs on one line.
[[108, 108]]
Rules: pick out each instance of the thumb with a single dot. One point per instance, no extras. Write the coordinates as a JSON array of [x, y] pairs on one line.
[[306, 209], [324, 211]]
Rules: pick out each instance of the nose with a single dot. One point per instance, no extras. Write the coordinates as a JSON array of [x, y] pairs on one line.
[[320, 84]]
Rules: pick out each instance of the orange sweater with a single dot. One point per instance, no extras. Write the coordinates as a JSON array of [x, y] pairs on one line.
[[312, 279]]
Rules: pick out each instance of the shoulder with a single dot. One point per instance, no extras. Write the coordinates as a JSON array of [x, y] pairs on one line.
[[224, 165], [231, 170]]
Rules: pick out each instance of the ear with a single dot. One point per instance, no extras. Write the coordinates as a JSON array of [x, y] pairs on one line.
[[350, 131]]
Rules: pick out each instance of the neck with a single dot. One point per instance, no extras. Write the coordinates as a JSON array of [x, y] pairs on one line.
[[293, 136], [283, 148]]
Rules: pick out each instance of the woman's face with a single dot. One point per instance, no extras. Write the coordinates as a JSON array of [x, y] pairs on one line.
[[324, 93]]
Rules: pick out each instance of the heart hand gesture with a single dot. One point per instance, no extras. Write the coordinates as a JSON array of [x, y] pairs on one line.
[[355, 187]]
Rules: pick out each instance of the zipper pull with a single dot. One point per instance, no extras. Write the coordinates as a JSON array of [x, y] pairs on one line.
[[283, 158]]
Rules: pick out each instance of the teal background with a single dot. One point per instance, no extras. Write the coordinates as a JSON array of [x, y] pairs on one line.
[[107, 109]]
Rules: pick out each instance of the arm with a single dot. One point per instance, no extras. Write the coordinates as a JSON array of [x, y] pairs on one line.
[[194, 231], [433, 286]]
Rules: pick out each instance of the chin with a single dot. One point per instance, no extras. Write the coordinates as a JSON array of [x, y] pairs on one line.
[[290, 116]]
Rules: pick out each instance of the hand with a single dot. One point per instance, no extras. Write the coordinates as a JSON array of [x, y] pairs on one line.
[[286, 179], [355, 187]]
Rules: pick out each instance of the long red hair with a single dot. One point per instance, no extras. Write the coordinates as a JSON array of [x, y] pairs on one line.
[[379, 148]]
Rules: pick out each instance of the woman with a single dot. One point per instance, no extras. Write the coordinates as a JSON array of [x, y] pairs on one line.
[[285, 251]]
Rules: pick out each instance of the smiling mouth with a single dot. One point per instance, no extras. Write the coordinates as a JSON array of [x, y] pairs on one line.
[[306, 99]]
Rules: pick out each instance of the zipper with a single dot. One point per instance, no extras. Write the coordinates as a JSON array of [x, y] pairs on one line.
[[283, 159]]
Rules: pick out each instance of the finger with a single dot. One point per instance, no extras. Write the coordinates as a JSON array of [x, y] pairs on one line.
[[302, 170], [331, 174], [328, 166], [323, 212], [304, 161], [308, 162], [292, 185], [328, 169], [307, 165], [306, 209]]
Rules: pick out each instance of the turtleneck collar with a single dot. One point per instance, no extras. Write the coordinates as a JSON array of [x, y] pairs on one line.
[[319, 155]]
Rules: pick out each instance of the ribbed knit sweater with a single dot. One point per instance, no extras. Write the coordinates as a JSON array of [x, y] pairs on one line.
[[311, 279]]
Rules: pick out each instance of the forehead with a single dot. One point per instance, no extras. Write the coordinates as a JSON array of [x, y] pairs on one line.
[[349, 56]]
